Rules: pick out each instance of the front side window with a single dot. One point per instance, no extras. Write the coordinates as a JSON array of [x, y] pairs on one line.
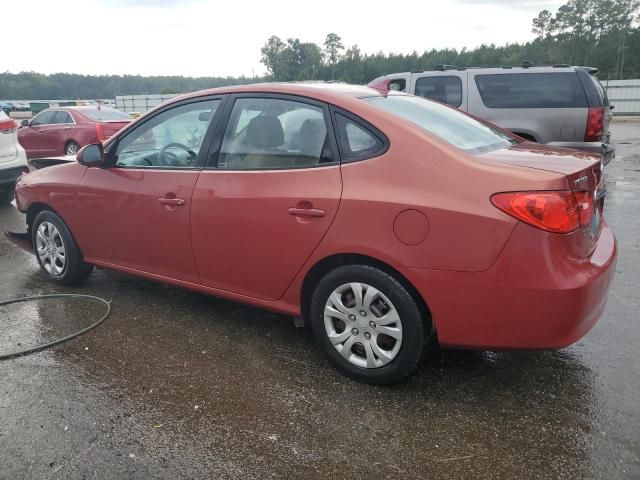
[[398, 85], [531, 90], [172, 138], [447, 123], [444, 89], [44, 118], [270, 133]]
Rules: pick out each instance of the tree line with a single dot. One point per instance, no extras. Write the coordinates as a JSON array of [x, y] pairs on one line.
[[599, 33]]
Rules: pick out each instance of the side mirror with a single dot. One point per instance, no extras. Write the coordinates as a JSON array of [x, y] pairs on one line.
[[91, 155], [24, 123]]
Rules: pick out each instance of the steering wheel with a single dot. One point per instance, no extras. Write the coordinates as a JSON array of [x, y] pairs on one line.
[[163, 153]]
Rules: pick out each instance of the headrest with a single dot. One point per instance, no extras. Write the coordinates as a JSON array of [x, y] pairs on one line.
[[265, 131]]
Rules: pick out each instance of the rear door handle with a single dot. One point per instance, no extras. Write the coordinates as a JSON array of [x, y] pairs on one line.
[[171, 201], [307, 212]]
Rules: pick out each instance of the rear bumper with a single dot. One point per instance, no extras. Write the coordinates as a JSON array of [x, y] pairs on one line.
[[545, 301], [607, 150]]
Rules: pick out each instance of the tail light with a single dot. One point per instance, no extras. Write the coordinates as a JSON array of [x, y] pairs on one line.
[[594, 129], [100, 132], [8, 125], [557, 212]]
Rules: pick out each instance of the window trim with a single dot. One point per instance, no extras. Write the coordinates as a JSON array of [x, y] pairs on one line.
[[111, 148], [213, 157], [346, 155], [415, 88]]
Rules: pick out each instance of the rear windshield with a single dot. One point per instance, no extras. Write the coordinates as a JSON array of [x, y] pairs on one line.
[[531, 90], [449, 124], [104, 115]]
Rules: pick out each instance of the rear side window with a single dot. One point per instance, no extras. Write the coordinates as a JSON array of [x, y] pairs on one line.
[[273, 133], [444, 89], [356, 141], [62, 117], [531, 90]]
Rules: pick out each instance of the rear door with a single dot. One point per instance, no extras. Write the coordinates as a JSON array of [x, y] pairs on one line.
[[62, 130], [449, 87], [546, 106], [268, 195]]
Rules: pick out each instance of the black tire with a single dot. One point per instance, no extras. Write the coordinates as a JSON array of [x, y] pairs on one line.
[[75, 269], [6, 196], [415, 328], [71, 145]]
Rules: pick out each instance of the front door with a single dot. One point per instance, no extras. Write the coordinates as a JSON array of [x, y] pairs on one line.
[[136, 213], [39, 137], [262, 208]]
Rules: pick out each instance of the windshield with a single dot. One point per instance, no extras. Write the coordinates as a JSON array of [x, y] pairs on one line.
[[447, 123], [105, 115]]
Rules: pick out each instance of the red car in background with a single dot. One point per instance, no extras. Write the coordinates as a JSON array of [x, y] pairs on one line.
[[63, 131]]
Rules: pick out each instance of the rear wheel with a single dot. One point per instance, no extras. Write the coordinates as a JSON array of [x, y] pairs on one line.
[[71, 148], [368, 324], [56, 251]]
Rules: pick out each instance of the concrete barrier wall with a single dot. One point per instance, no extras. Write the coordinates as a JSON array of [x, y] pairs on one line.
[[140, 103], [625, 95]]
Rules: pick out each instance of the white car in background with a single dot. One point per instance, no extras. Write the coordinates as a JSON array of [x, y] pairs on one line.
[[13, 158]]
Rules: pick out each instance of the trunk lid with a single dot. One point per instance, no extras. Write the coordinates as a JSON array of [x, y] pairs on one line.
[[583, 171], [110, 127]]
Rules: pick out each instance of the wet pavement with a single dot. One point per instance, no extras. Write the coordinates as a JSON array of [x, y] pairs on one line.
[[181, 385]]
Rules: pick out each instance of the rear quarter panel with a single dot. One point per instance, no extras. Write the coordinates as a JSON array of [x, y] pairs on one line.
[[450, 188]]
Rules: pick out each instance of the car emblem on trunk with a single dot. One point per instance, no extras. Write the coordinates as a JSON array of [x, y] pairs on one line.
[[581, 180]]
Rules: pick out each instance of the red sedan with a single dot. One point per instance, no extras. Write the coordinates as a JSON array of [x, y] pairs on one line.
[[63, 131], [382, 219]]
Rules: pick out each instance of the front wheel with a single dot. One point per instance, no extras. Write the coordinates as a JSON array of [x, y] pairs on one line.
[[368, 324], [56, 250]]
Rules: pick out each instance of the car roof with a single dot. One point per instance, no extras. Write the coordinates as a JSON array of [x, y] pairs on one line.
[[320, 90]]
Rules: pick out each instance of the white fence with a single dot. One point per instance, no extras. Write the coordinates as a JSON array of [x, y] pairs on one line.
[[140, 103], [625, 95]]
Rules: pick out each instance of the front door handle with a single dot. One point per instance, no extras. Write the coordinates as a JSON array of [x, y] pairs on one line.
[[307, 212], [171, 201]]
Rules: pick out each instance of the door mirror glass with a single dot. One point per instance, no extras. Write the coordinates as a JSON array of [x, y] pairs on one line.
[[24, 123], [91, 155]]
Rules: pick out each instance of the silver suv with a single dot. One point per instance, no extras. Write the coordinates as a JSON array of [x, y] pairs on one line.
[[560, 105]]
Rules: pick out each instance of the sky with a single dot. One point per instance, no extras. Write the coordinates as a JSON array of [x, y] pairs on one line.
[[224, 37]]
